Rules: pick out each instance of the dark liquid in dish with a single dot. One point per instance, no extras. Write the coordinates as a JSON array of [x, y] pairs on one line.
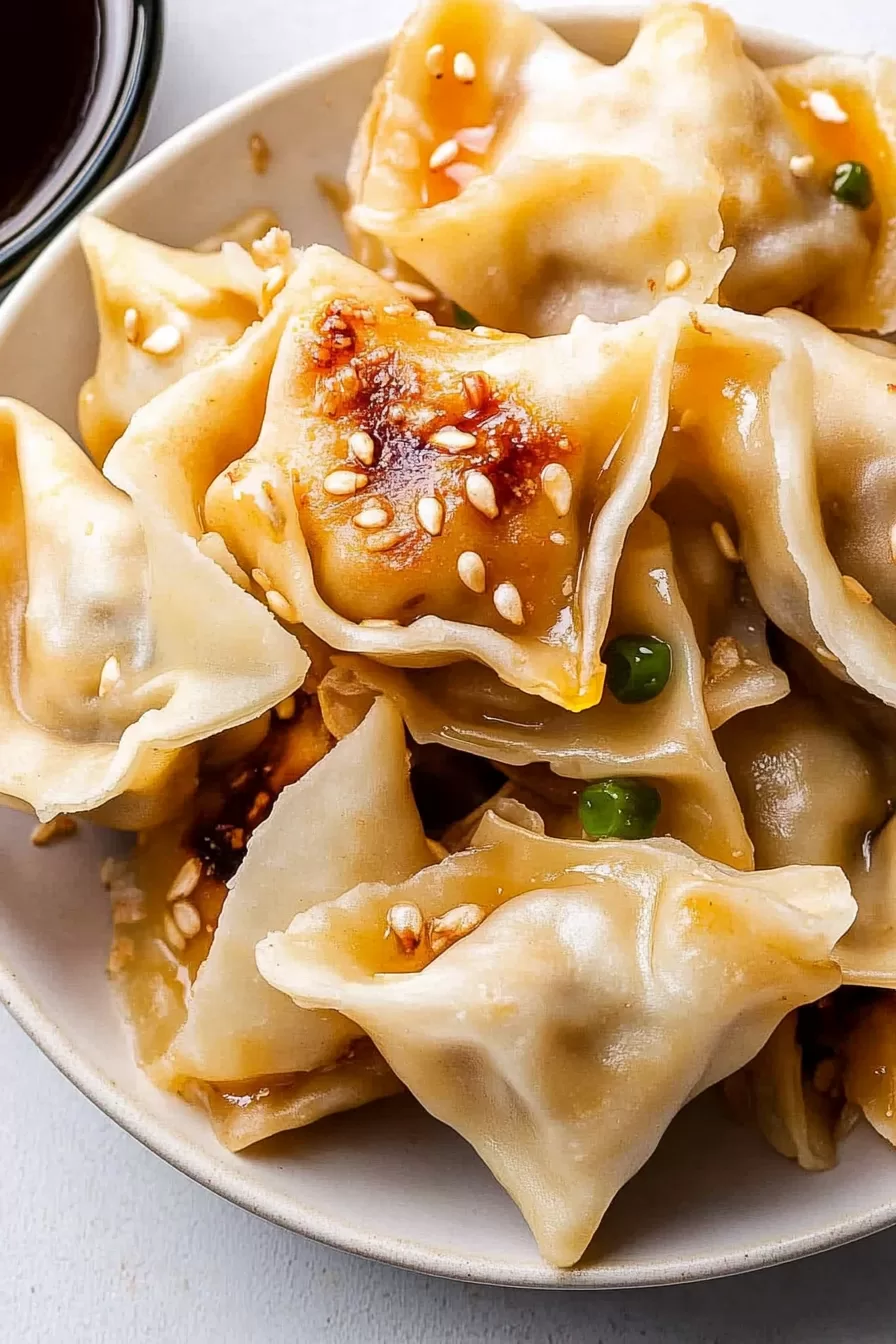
[[52, 50]]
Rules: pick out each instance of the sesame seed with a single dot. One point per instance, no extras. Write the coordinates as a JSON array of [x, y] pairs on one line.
[[163, 341], [57, 828], [678, 273], [362, 447], [452, 439], [825, 653], [260, 577], [405, 923], [557, 485], [481, 493], [558, 538], [801, 165], [131, 325], [375, 623], [464, 67], [259, 153], [475, 139], [286, 708], [434, 60], [431, 514], [722, 538], [471, 570], [444, 154], [423, 316], [398, 309], [186, 880], [455, 924], [462, 174], [372, 518], [491, 332], [857, 589], [186, 917], [110, 675], [344, 483], [281, 606], [416, 293], [173, 934], [825, 107], [476, 389], [508, 603]]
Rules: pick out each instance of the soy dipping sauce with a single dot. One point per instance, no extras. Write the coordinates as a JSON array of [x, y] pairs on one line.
[[52, 55]]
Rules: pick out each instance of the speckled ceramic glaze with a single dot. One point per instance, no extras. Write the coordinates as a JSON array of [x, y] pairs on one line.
[[387, 1181]]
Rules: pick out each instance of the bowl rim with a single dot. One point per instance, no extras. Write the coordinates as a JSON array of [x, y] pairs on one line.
[[154, 1134]]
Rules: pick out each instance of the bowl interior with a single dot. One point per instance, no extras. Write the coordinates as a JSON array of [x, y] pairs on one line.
[[388, 1181]]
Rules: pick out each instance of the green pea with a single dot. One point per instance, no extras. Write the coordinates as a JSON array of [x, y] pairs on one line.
[[638, 667], [466, 321], [853, 185], [619, 809]]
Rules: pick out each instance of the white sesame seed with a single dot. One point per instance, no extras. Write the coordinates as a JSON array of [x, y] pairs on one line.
[[344, 483], [558, 538], [260, 577], [281, 606], [375, 623], [431, 514], [405, 923], [362, 447], [464, 67], [57, 828], [131, 325], [164, 340], [825, 107], [455, 924], [186, 881], [508, 603], [110, 675], [491, 332], [259, 153], [443, 154], [186, 917], [384, 541], [173, 935], [286, 708], [477, 390], [678, 273], [481, 493], [722, 538], [452, 439], [475, 139], [462, 174], [471, 570], [857, 589], [801, 165], [423, 316], [557, 485], [434, 60], [416, 293], [372, 518]]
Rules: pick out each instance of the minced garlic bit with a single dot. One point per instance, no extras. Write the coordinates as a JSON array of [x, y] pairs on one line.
[[722, 538], [857, 589], [57, 828], [259, 153], [508, 603], [802, 165], [481, 493], [678, 273], [131, 325], [477, 390], [452, 439], [464, 67], [825, 107], [165, 340], [281, 606], [405, 923], [434, 60], [110, 675], [443, 930], [725, 657], [557, 485], [186, 880], [431, 514], [274, 248], [442, 155], [471, 571]]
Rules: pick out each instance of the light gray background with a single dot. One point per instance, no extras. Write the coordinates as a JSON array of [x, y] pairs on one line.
[[101, 1242]]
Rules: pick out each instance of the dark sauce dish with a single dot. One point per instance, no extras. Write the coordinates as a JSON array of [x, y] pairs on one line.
[[82, 77]]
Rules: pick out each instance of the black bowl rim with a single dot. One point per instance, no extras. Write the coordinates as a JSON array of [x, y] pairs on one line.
[[113, 146]]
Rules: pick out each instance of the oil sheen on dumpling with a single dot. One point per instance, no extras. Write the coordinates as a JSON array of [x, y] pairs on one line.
[[531, 183], [638, 970], [122, 644], [421, 494], [161, 312]]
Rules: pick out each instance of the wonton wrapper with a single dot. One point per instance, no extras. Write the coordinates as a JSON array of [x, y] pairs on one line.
[[87, 577], [596, 177], [870, 1057], [667, 740], [638, 971], [209, 298], [359, 358]]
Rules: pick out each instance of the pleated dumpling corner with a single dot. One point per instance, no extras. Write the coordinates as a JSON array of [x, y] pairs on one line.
[[122, 644], [638, 969]]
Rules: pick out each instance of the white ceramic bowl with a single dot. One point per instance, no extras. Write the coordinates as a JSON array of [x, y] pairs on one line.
[[387, 1181]]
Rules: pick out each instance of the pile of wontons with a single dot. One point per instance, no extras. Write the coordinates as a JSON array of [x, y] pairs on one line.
[[505, 706]]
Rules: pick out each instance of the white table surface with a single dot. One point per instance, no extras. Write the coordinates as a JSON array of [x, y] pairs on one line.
[[100, 1241]]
